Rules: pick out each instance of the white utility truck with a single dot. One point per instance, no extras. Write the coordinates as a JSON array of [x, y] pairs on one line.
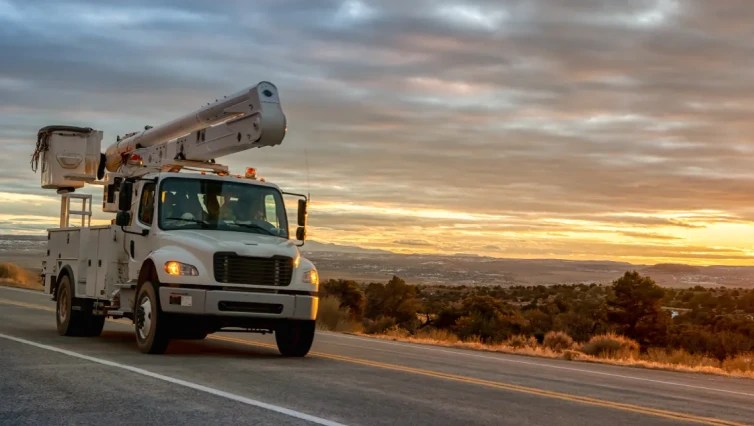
[[192, 249]]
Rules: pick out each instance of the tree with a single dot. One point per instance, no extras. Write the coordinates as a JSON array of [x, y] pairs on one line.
[[490, 319], [634, 308], [396, 299]]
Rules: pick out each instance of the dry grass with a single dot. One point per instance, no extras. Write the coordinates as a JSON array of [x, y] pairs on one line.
[[740, 364], [558, 341], [15, 276], [679, 357], [473, 343], [612, 349], [522, 341], [437, 335]]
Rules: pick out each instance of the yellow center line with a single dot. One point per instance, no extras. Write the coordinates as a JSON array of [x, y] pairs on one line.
[[505, 386], [461, 379]]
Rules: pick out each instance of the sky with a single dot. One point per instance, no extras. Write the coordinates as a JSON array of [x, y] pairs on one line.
[[527, 129]]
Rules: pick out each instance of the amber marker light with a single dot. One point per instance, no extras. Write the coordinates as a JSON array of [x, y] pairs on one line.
[[177, 268]]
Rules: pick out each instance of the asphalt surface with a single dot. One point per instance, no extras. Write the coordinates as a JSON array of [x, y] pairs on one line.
[[232, 378]]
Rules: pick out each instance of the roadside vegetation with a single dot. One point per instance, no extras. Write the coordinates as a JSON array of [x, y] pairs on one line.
[[16, 276], [631, 322]]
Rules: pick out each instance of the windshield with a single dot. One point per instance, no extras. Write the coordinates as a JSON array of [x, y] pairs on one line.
[[221, 205]]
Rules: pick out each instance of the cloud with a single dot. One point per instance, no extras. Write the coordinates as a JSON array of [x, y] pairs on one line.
[[412, 242], [545, 127]]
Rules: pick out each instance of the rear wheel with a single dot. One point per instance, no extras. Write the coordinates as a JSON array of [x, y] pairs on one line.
[[67, 320], [94, 325], [75, 322], [150, 324], [295, 337]]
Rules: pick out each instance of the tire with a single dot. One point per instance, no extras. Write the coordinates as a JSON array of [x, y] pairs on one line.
[[295, 337], [94, 325], [72, 322], [150, 323], [68, 321]]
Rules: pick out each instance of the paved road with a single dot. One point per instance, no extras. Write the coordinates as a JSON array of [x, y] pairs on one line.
[[239, 378]]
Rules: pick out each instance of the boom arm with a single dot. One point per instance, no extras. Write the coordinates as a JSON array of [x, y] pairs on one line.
[[248, 119]]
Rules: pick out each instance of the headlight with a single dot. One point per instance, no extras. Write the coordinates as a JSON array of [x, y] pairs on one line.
[[311, 277], [177, 268]]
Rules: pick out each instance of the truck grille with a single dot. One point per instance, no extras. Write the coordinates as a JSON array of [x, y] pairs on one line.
[[232, 268]]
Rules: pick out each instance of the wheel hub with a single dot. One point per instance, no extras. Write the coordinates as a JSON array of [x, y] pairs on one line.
[[144, 318], [63, 304]]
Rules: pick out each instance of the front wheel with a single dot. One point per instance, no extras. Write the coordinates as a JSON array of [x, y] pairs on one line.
[[295, 337], [150, 322]]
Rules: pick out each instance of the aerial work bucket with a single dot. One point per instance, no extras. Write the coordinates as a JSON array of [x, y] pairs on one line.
[[70, 156]]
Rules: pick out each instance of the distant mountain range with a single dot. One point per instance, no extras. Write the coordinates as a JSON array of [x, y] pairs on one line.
[[371, 265]]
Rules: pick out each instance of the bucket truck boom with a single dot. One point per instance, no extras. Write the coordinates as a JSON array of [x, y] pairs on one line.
[[187, 253]]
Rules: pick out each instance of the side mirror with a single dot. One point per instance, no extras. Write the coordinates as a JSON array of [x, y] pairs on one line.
[[302, 205], [124, 195], [123, 218], [301, 233]]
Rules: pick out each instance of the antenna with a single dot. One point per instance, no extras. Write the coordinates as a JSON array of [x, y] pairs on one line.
[[306, 160]]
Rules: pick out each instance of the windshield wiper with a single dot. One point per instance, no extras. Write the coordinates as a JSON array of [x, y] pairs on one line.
[[255, 226], [203, 222]]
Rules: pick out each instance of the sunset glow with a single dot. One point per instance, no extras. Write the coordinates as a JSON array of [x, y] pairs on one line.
[[531, 130]]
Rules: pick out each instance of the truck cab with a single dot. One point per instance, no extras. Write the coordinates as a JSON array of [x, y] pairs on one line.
[[218, 252]]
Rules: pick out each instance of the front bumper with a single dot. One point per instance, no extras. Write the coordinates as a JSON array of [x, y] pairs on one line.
[[226, 303]]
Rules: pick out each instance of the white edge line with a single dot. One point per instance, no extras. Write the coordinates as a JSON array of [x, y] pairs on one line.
[[504, 358], [195, 386]]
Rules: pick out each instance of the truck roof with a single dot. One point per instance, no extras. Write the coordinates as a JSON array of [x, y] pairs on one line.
[[212, 176]]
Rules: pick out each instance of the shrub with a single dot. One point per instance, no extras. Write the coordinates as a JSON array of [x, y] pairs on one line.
[[611, 345], [331, 316], [557, 341], [329, 313], [379, 325], [740, 363], [397, 331], [522, 341]]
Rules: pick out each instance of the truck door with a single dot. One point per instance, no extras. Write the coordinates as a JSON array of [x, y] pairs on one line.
[[139, 246]]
